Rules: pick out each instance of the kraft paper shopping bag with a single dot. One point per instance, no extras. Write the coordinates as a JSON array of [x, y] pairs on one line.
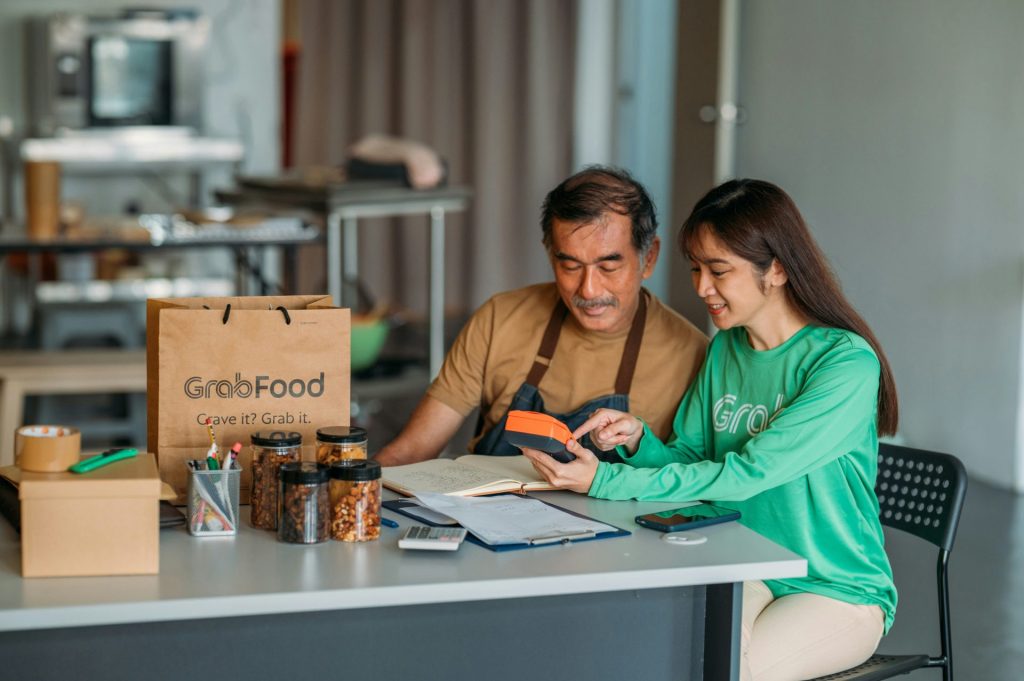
[[248, 363]]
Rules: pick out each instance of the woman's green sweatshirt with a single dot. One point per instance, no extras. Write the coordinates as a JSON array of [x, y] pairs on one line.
[[788, 437]]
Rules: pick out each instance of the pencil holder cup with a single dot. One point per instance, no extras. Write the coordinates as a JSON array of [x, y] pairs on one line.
[[213, 502]]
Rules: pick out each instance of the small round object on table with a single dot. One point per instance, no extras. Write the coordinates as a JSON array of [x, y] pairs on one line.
[[684, 538]]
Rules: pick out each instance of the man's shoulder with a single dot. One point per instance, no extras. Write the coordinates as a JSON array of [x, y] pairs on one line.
[[510, 314], [538, 298], [663, 318], [533, 292]]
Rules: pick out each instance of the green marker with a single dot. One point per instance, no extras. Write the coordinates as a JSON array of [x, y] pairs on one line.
[[109, 456]]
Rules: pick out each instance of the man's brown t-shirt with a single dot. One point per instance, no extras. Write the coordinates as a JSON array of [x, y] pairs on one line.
[[495, 350]]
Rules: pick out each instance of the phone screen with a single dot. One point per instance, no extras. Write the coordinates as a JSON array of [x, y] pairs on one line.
[[680, 517]]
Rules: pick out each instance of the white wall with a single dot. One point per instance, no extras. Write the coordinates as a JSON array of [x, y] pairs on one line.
[[594, 95], [646, 45], [898, 127], [624, 93]]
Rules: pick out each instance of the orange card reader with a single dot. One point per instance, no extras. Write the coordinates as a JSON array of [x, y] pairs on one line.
[[539, 431]]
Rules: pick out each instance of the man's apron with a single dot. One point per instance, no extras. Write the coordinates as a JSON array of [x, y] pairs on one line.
[[528, 396]]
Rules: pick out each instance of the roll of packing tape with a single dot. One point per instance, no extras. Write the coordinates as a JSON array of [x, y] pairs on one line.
[[46, 449]]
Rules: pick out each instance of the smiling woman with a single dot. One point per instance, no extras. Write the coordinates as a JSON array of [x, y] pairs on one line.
[[781, 424], [738, 293], [751, 232]]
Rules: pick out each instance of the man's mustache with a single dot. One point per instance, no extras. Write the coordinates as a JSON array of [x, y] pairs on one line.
[[584, 304]]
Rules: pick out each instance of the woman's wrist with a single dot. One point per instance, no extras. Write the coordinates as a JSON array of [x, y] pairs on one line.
[[634, 440], [595, 482]]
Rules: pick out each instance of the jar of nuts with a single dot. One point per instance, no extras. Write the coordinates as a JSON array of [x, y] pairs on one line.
[[338, 443], [270, 449], [355, 500], [304, 509]]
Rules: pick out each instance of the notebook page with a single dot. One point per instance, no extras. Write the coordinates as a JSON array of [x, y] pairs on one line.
[[511, 467], [442, 476]]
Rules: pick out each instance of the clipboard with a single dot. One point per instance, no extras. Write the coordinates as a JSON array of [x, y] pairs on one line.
[[407, 508]]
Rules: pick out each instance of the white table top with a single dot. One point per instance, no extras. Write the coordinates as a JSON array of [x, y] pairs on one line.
[[121, 150], [254, 574]]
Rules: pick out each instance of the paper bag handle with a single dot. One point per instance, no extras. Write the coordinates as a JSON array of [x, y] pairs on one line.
[[227, 313]]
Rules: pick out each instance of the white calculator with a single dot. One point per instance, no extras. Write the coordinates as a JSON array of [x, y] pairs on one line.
[[432, 538]]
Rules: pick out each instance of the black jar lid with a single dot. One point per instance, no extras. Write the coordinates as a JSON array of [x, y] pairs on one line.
[[304, 472], [355, 470], [277, 438], [341, 434]]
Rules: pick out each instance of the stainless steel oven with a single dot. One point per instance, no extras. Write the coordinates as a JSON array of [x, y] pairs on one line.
[[135, 68]]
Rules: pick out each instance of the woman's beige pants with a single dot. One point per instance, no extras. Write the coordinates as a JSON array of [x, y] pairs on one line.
[[803, 636]]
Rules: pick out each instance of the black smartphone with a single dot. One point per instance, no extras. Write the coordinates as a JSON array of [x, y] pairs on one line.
[[688, 518]]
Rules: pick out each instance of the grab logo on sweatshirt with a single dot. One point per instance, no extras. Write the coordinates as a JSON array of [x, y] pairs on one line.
[[727, 416]]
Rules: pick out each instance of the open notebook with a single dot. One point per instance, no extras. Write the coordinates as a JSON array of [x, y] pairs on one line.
[[467, 476]]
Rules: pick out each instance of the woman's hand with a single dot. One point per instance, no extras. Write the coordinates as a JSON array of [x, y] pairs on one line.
[[609, 428], [577, 475]]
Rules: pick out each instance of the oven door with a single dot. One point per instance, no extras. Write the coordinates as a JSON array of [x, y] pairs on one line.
[[145, 70], [129, 81]]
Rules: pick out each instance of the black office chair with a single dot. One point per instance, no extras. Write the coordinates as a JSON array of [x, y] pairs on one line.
[[921, 493]]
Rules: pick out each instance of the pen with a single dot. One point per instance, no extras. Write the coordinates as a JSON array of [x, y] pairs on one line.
[[200, 515], [211, 461], [109, 456], [387, 522], [563, 538], [232, 458], [229, 462], [209, 427]]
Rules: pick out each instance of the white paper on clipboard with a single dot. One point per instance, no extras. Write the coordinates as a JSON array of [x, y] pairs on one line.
[[511, 519]]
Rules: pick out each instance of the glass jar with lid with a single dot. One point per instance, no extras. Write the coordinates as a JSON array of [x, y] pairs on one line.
[[304, 514], [355, 500], [270, 449], [340, 443]]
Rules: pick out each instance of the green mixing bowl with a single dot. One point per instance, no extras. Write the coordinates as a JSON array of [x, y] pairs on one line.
[[368, 336]]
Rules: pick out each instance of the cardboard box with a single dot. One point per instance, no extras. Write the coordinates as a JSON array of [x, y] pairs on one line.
[[105, 522]]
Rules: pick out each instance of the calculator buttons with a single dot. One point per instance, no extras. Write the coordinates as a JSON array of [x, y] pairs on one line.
[[432, 538]]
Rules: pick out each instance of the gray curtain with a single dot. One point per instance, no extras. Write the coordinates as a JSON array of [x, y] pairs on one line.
[[488, 84]]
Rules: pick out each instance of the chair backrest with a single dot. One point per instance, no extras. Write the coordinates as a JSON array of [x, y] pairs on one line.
[[920, 492]]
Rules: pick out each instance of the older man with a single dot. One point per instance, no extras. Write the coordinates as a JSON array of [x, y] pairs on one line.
[[593, 338]]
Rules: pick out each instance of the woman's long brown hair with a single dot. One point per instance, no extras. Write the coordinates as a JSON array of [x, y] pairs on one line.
[[759, 222]]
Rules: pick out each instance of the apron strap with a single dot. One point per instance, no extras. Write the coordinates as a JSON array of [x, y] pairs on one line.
[[630, 353], [548, 344], [627, 366]]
